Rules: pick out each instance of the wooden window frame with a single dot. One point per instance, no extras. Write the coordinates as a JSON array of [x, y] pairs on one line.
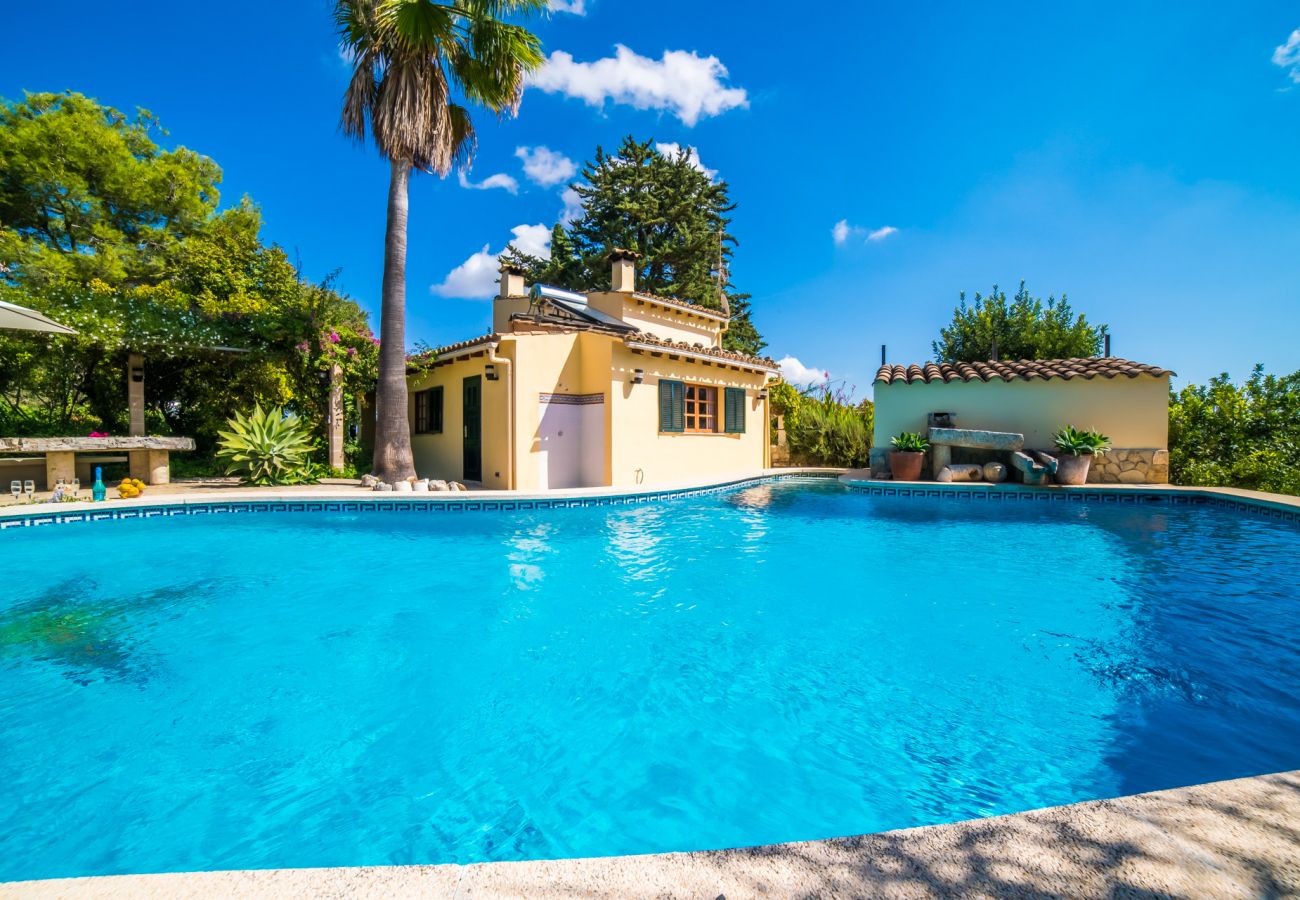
[[429, 420], [692, 412]]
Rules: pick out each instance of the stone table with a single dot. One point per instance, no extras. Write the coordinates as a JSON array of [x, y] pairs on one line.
[[149, 456]]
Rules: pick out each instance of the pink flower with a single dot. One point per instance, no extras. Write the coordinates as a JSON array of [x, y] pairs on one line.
[[375, 341], [334, 337], [352, 351], [99, 434], [303, 346]]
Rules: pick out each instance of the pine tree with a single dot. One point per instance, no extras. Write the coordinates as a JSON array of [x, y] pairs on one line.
[[667, 210]]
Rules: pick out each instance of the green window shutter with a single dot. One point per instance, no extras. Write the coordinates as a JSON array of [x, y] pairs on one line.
[[435, 410], [672, 405], [734, 415]]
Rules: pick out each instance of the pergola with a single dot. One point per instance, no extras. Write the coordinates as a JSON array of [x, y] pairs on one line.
[[148, 456]]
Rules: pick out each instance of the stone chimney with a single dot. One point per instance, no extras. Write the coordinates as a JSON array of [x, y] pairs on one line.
[[623, 270], [511, 281]]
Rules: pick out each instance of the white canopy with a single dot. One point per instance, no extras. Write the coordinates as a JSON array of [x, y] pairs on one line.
[[20, 318]]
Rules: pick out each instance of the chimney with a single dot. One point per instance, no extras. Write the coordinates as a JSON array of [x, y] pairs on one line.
[[623, 270], [511, 281]]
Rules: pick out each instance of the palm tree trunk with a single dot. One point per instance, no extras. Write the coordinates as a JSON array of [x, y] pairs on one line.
[[393, 460]]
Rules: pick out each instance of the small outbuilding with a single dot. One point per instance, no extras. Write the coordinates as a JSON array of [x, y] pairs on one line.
[[602, 388], [1126, 400]]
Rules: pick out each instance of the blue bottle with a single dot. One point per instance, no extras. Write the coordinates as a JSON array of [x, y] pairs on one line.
[[99, 492]]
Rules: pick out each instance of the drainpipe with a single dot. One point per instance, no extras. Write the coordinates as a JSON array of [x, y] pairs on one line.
[[510, 409]]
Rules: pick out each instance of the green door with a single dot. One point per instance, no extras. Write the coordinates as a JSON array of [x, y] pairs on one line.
[[473, 406]]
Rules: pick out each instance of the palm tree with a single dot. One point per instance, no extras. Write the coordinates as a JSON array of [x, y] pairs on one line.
[[413, 60]]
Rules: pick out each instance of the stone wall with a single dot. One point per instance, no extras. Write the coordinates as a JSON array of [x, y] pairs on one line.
[[1122, 466], [1130, 467]]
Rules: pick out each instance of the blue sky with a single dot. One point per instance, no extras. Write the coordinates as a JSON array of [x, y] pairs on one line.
[[1144, 161]]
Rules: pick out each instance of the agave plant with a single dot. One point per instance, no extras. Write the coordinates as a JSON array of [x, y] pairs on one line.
[[910, 442], [1080, 441], [266, 447]]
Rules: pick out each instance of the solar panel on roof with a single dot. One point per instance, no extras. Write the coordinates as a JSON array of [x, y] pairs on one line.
[[582, 310]]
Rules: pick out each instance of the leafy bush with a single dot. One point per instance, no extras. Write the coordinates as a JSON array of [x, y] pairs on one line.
[[829, 431], [910, 442], [1247, 436], [267, 447], [1024, 328], [1080, 441]]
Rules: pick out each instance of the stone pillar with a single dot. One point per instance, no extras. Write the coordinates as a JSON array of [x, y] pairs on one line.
[[135, 394], [940, 458], [150, 466], [59, 464], [335, 418]]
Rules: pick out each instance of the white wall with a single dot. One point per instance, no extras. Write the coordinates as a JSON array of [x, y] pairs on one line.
[[571, 441], [1133, 412]]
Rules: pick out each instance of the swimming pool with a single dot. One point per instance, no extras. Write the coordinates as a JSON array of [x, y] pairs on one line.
[[777, 662]]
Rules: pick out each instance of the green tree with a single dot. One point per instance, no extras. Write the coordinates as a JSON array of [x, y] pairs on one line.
[[1024, 328], [1247, 436], [664, 208], [85, 192], [104, 230], [412, 60]]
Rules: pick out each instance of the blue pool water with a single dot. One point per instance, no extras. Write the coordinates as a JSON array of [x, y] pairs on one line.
[[780, 662]]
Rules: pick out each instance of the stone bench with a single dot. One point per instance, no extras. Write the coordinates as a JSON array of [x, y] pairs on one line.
[[149, 457], [942, 440]]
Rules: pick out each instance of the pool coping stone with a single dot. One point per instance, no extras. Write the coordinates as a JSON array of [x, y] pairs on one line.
[[333, 498], [1226, 839]]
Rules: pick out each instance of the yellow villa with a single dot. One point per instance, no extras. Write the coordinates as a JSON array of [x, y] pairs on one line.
[[607, 388]]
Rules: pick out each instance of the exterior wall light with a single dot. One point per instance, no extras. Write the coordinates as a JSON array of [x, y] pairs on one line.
[[762, 395], [490, 372], [137, 374], [638, 376]]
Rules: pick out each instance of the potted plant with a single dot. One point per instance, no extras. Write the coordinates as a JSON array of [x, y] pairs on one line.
[[1077, 447], [908, 456]]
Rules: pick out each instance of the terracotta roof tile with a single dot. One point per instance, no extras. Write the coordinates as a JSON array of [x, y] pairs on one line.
[[682, 304], [668, 346], [450, 348], [1020, 369]]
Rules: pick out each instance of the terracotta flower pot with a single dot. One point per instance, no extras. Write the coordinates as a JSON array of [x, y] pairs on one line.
[[905, 465], [1071, 469]]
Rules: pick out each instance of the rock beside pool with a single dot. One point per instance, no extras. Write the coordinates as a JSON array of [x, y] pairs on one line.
[[437, 484], [456, 486], [383, 486], [403, 487], [421, 486], [995, 472], [369, 481]]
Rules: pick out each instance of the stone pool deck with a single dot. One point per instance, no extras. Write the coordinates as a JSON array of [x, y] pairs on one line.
[[1228, 839]]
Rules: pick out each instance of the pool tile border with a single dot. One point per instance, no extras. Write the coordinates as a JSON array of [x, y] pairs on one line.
[[1130, 496], [1274, 507], [222, 507]]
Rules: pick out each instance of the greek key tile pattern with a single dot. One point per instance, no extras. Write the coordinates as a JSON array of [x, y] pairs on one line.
[[359, 506], [931, 492]]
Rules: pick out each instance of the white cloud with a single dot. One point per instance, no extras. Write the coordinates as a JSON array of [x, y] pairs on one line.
[[476, 277], [546, 167], [692, 156], [799, 375], [572, 206], [535, 240], [1288, 56], [841, 231], [577, 7], [499, 180], [685, 84]]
